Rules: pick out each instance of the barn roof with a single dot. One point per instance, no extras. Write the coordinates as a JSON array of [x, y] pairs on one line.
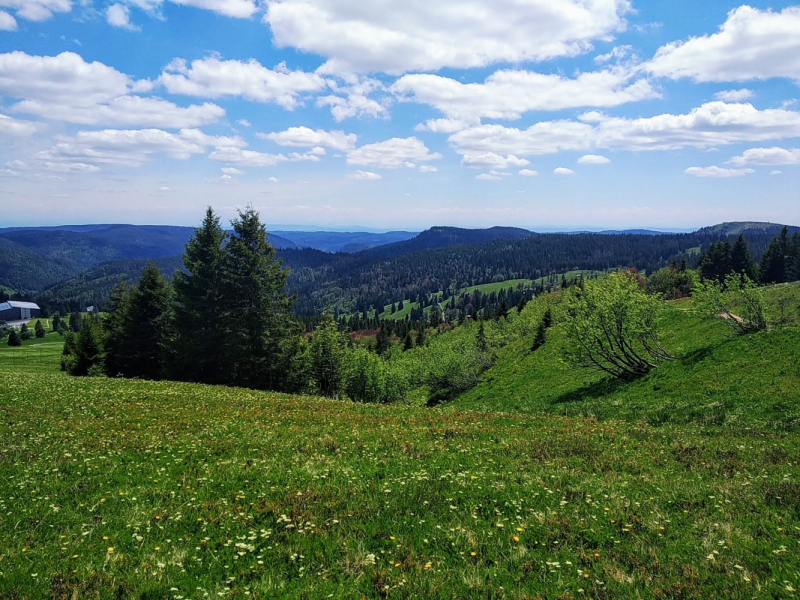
[[16, 304]]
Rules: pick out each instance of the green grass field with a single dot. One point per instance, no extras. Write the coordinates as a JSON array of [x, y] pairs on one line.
[[541, 482], [35, 356]]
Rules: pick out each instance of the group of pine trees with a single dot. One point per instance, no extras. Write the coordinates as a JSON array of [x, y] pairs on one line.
[[225, 320], [780, 262]]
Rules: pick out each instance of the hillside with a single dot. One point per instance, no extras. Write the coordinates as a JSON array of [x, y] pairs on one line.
[[33, 259], [737, 227], [335, 241], [157, 489], [448, 237]]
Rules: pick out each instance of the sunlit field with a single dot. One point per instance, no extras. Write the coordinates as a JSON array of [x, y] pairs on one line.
[[115, 488]]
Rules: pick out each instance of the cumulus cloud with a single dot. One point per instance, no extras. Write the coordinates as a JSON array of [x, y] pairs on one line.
[[251, 158], [15, 127], [7, 22], [216, 78], [427, 169], [365, 175], [119, 15], [492, 175], [232, 171], [353, 99], [593, 159], [420, 35], [483, 160], [528, 173], [306, 137], [711, 125], [509, 94], [733, 95], [768, 156], [715, 171], [67, 88], [751, 44], [392, 154], [563, 171], [132, 147], [36, 10], [242, 9]]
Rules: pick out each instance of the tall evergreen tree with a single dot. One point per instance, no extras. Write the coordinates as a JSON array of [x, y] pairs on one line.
[[139, 349], [196, 344], [114, 324], [742, 260], [75, 322], [255, 307], [56, 322], [716, 262], [25, 333], [408, 342], [773, 263], [793, 258], [14, 339], [39, 329], [382, 343]]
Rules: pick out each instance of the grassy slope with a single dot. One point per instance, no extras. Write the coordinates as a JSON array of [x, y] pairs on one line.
[[35, 356], [113, 488], [716, 378]]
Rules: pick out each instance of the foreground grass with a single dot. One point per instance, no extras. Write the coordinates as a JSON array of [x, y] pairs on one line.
[[120, 489]]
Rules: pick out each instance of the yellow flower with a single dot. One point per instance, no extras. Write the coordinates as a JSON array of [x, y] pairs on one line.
[[515, 538], [428, 565], [111, 548]]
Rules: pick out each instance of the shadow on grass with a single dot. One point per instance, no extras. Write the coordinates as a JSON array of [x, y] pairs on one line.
[[590, 391]]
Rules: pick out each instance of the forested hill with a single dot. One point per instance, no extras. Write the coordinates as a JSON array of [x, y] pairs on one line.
[[33, 259], [447, 237], [364, 280]]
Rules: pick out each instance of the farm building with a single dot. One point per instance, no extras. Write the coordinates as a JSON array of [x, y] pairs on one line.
[[19, 311]]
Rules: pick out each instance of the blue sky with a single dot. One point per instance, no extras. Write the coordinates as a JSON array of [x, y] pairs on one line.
[[547, 114]]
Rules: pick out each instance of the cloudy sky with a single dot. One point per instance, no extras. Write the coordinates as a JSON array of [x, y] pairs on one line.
[[548, 114]]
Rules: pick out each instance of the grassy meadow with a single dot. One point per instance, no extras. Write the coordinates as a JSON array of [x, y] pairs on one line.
[[542, 481], [35, 356]]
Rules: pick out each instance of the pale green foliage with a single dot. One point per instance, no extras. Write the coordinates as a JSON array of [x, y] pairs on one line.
[[740, 302], [370, 378], [611, 326], [327, 356]]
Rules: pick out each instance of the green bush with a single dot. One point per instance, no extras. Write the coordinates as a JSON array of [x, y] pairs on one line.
[[370, 378]]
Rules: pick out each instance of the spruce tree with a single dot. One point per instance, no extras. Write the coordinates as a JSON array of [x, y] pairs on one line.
[[382, 343], [742, 260], [39, 329], [255, 307], [716, 262], [114, 324], [75, 322], [408, 342], [421, 337], [139, 351], [25, 333], [196, 344], [773, 263], [14, 339], [481, 341], [793, 258], [56, 323]]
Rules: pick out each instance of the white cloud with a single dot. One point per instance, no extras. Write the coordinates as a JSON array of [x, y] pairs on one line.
[[244, 123], [422, 35], [563, 171], [273, 180], [242, 9], [711, 125], [768, 156], [365, 175], [119, 15], [7, 22], [127, 111], [71, 167], [132, 147], [528, 173], [353, 100], [618, 53], [306, 137], [15, 127], [67, 88], [215, 78], [427, 169], [392, 154], [751, 44], [593, 159], [492, 175], [776, 172], [443, 125], [509, 94], [250, 158], [719, 172], [232, 171], [37, 10], [733, 95], [483, 160]]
